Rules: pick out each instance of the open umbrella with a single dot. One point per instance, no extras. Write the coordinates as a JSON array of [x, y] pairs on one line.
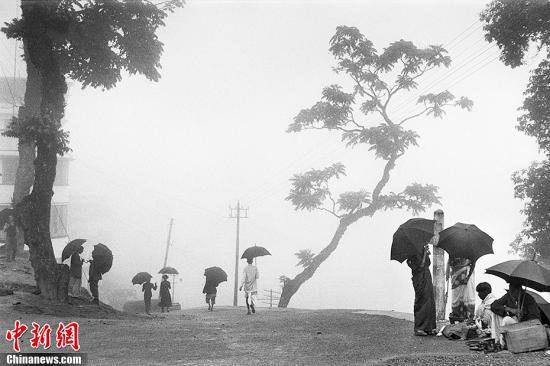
[[103, 258], [71, 248], [215, 274], [410, 238], [254, 252], [169, 270], [141, 278], [525, 272], [544, 307], [465, 241]]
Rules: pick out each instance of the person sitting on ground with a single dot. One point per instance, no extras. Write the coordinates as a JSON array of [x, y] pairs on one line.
[[514, 307], [483, 313], [250, 275], [210, 289]]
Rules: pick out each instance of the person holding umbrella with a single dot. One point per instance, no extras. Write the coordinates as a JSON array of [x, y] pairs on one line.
[[424, 302], [165, 298], [214, 276], [250, 275], [514, 307], [75, 273], [147, 288], [461, 274], [210, 290], [94, 275]]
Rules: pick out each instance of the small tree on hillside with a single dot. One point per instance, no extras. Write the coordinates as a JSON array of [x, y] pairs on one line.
[[377, 78], [92, 42]]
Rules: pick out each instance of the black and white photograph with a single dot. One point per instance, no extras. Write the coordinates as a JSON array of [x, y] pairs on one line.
[[275, 182]]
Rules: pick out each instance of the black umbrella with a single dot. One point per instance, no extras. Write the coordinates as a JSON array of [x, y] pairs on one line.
[[544, 307], [169, 270], [524, 272], [72, 247], [254, 252], [465, 241], [141, 278], [103, 258], [215, 274], [410, 238]]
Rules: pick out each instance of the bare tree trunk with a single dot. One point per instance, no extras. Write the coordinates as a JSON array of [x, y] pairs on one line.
[[291, 286], [27, 149]]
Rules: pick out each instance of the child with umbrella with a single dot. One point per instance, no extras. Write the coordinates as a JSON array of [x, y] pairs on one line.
[[214, 275]]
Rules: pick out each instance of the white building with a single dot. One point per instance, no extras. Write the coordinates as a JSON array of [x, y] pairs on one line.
[[12, 91]]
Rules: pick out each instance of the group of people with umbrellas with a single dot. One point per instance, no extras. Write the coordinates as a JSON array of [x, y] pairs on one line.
[[465, 244], [214, 276], [101, 263]]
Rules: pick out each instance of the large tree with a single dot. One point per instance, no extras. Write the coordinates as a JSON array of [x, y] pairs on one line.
[[517, 26], [376, 78], [91, 42]]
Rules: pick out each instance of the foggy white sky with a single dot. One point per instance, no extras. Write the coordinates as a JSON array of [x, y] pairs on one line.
[[212, 131]]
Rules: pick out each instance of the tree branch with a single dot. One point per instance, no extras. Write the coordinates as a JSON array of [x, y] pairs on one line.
[[414, 116], [331, 212]]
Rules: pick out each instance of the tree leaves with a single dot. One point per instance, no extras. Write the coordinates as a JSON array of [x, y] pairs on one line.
[[352, 201], [305, 257], [415, 197], [310, 189]]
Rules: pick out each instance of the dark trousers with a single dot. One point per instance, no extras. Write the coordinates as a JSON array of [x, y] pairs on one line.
[[11, 246], [94, 289]]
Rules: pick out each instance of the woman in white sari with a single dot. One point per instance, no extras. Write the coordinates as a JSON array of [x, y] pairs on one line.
[[463, 288]]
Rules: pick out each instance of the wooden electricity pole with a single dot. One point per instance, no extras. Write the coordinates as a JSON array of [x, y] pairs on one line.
[[439, 267], [237, 216]]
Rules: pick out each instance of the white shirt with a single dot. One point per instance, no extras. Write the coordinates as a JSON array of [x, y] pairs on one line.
[[250, 275]]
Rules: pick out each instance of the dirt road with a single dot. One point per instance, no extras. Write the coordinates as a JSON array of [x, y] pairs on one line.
[[271, 337]]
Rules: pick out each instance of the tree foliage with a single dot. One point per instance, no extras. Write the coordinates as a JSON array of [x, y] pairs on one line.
[[361, 116], [516, 26], [305, 257]]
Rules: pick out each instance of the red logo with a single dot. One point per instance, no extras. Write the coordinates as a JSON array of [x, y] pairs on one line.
[[16, 333]]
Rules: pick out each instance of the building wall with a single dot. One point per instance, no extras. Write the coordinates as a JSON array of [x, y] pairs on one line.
[[9, 159]]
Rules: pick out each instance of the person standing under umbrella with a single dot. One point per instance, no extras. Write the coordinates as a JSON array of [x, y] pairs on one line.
[[210, 289], [165, 298], [250, 275], [424, 303], [94, 275], [148, 294], [461, 273], [75, 273]]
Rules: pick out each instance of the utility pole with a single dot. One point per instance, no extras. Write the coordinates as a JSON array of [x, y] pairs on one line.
[[168, 242], [439, 267], [237, 216]]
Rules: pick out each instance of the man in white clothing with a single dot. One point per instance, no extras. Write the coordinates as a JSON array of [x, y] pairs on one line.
[[483, 313], [248, 281]]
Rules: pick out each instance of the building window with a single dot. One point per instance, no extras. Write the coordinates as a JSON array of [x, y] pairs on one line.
[[58, 221], [9, 169]]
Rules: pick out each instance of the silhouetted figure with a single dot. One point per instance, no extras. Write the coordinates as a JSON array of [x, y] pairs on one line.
[[75, 273], [165, 298], [210, 289], [11, 239], [148, 294], [93, 279], [424, 303]]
